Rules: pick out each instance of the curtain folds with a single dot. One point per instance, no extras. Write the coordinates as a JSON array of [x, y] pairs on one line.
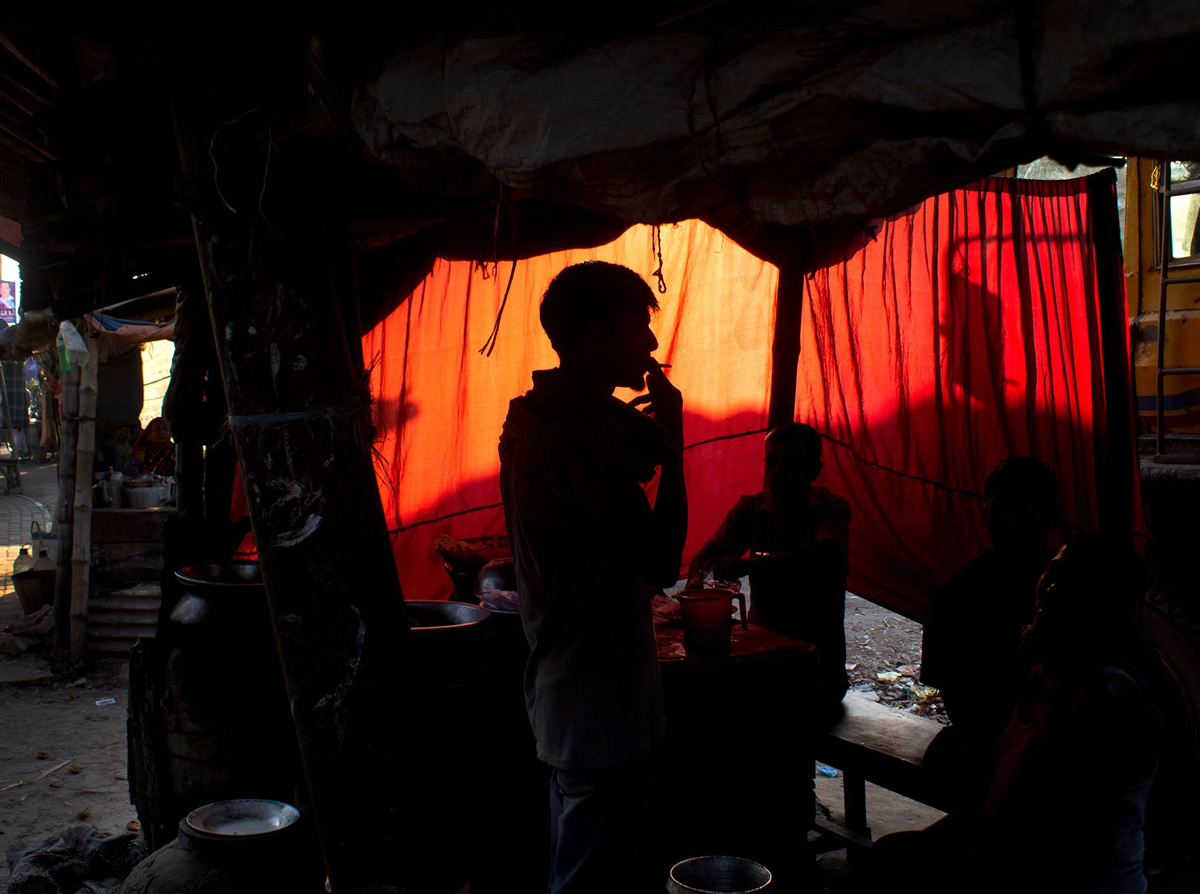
[[975, 326], [440, 404], [968, 331]]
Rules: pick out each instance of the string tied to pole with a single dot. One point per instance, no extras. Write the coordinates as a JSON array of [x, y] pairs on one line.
[[656, 249]]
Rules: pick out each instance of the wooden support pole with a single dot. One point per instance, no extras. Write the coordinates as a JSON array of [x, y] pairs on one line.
[[81, 545], [785, 348], [64, 523], [12, 471], [302, 428], [194, 409]]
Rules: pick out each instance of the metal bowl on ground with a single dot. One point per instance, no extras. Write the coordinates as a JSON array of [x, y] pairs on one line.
[[242, 817], [718, 875]]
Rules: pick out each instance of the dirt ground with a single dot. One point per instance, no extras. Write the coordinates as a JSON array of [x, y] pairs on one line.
[[883, 659], [62, 758]]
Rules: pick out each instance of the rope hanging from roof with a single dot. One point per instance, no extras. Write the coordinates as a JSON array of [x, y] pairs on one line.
[[501, 202]]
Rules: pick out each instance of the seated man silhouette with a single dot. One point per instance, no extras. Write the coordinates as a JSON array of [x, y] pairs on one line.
[[1064, 807], [791, 539], [971, 649]]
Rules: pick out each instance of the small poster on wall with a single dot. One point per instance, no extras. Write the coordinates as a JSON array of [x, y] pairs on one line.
[[8, 301]]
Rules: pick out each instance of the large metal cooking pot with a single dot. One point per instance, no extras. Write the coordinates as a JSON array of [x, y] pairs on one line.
[[445, 641], [240, 846], [220, 708]]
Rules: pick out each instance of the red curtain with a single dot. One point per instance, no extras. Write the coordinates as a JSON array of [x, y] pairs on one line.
[[968, 331], [440, 404]]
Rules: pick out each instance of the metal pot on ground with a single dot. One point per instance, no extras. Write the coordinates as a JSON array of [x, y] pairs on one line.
[[208, 703], [242, 846]]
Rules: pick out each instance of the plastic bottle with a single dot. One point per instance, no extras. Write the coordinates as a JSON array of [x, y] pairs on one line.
[[44, 562], [24, 561], [116, 483]]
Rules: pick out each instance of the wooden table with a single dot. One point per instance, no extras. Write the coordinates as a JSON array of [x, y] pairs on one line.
[[736, 774], [737, 751], [753, 645]]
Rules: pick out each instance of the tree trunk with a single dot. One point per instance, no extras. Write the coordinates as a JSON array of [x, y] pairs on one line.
[[302, 428], [64, 525], [81, 546]]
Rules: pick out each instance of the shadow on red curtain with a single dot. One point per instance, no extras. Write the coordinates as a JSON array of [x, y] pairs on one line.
[[440, 404], [978, 325]]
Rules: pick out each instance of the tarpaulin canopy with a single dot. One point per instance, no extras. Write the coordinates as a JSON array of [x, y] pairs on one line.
[[133, 332], [972, 328], [801, 113]]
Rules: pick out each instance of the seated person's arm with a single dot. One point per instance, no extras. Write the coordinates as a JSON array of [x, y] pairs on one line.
[[725, 547], [829, 553]]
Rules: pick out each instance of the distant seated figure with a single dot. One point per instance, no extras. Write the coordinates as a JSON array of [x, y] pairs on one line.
[[971, 649], [1065, 804], [153, 452], [792, 540]]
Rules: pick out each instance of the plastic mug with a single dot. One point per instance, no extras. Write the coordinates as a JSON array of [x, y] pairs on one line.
[[706, 618]]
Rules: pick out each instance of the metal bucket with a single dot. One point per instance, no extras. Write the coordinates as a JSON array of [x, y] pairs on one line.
[[718, 875]]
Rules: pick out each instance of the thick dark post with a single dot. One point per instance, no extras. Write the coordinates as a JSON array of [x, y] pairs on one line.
[[64, 523], [785, 349], [184, 394], [1116, 459], [269, 229]]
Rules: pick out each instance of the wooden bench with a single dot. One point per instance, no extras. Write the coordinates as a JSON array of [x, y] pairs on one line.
[[872, 742]]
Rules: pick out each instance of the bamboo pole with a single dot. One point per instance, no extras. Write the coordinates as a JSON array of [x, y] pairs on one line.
[[64, 527], [81, 548]]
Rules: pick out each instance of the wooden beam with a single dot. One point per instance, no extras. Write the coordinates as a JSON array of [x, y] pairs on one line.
[[64, 524], [19, 99], [22, 49], [23, 132], [17, 78], [81, 545]]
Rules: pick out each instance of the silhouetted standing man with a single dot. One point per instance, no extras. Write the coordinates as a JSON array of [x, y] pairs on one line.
[[587, 547]]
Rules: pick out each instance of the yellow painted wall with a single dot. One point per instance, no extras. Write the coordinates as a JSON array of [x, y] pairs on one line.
[[1182, 326]]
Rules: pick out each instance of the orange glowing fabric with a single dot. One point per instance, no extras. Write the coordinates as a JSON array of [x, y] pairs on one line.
[[440, 404], [967, 331]]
